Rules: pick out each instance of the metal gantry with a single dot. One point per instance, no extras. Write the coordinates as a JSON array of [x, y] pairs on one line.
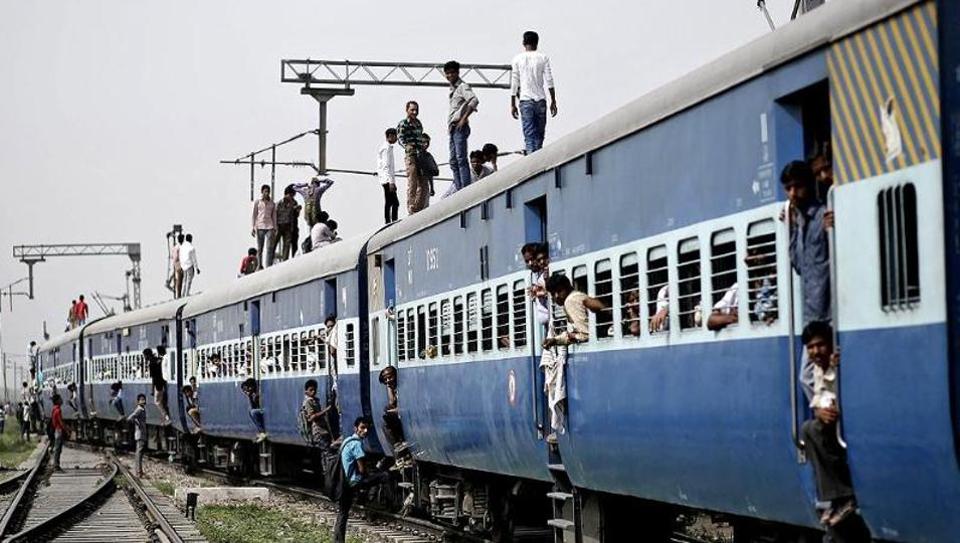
[[310, 72], [32, 254]]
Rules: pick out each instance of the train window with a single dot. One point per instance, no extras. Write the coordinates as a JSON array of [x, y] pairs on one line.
[[579, 279], [762, 271], [432, 328], [630, 295], [519, 314], [401, 336], [899, 253], [558, 317], [688, 283], [421, 332], [472, 325], [351, 349], [411, 335], [446, 327], [658, 290], [248, 359], [486, 320], [503, 317], [458, 325], [375, 340], [319, 349], [723, 271], [603, 291], [287, 352]]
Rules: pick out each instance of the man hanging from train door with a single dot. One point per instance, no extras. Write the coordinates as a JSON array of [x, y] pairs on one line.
[[809, 223], [821, 443]]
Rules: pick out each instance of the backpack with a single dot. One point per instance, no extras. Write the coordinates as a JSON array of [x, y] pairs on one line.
[[334, 476]]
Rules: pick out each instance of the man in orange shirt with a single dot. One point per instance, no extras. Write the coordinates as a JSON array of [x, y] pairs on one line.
[[80, 311]]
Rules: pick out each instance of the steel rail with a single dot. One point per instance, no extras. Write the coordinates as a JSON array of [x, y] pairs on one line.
[[152, 510], [29, 478], [49, 526]]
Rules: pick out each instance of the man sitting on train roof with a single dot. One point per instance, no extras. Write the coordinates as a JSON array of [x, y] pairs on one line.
[[809, 223], [827, 456]]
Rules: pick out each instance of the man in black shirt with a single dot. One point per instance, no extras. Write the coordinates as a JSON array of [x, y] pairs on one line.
[[155, 365]]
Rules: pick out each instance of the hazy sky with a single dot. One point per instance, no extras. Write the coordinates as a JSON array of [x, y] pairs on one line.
[[114, 114]]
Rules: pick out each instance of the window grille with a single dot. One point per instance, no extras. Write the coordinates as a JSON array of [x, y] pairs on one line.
[[503, 317], [350, 341], [433, 328], [723, 269], [658, 288], [472, 324], [421, 332], [688, 283], [603, 291], [630, 295], [401, 336], [899, 248], [762, 271], [446, 327], [486, 320], [519, 314], [458, 325], [411, 335]]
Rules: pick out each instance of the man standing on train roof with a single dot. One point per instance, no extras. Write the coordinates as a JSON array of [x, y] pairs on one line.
[[81, 311], [188, 262], [264, 226], [288, 213], [312, 192], [826, 454], [809, 222], [530, 72], [463, 102], [410, 135], [386, 173]]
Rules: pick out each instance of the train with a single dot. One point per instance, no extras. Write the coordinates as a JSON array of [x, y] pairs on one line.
[[671, 190]]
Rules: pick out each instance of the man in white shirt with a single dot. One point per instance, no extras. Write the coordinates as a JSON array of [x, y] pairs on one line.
[[530, 72], [188, 262], [385, 173], [263, 227], [33, 351]]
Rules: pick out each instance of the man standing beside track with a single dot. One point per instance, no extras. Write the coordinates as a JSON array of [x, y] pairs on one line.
[[59, 431], [139, 420], [357, 475]]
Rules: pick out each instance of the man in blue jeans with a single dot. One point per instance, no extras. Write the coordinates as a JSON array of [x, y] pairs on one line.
[[463, 102], [357, 475], [530, 72]]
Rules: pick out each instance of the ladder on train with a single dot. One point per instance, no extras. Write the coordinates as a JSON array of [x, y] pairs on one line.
[[565, 502]]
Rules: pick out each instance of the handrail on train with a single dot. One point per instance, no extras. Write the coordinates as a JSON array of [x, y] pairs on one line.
[[792, 344], [834, 312]]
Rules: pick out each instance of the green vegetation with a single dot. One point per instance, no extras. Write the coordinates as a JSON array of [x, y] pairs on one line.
[[255, 524], [165, 487], [12, 450]]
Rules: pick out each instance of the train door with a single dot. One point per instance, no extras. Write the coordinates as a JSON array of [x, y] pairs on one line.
[[535, 230], [332, 343], [253, 353]]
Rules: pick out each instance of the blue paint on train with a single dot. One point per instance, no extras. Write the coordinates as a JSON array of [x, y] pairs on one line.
[[462, 415], [896, 386], [704, 425]]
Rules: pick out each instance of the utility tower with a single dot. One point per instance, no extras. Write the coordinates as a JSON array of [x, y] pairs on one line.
[[32, 254]]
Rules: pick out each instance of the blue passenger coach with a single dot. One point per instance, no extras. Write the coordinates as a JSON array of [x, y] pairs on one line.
[[655, 207]]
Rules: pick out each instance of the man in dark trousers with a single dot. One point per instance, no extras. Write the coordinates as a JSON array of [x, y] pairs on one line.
[[358, 475], [59, 431], [155, 364]]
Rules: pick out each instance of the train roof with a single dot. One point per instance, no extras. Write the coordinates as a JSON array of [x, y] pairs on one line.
[[62, 339], [329, 260], [811, 31], [162, 311]]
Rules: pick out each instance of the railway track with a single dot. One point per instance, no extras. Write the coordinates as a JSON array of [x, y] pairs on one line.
[[93, 499]]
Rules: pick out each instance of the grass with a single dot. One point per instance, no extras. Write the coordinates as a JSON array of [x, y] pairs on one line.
[[254, 524], [165, 487], [12, 450]]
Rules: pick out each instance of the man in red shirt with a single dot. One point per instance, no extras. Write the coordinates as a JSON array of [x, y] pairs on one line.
[[80, 311], [59, 431], [249, 264]]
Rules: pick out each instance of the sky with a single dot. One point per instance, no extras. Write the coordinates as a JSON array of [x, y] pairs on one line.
[[114, 114]]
